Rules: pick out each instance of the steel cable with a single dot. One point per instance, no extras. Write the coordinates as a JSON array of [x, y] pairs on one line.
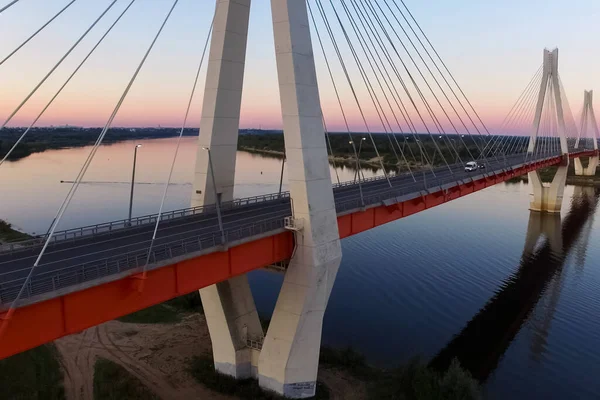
[[36, 32], [6, 7], [56, 65], [183, 125], [337, 94], [428, 106], [379, 108], [7, 155], [86, 164]]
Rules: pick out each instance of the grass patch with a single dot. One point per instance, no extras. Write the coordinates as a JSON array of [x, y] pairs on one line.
[[113, 382], [8, 234], [34, 374], [158, 314], [416, 381], [349, 360], [203, 370], [187, 303], [169, 312]]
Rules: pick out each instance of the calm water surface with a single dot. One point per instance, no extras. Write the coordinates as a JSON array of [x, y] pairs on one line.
[[468, 279]]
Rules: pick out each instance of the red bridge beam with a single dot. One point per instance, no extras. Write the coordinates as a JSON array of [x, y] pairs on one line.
[[43, 322]]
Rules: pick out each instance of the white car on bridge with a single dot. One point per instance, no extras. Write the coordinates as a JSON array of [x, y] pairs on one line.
[[471, 166]]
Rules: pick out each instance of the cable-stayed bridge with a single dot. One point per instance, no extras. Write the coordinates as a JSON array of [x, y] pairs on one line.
[[381, 66]]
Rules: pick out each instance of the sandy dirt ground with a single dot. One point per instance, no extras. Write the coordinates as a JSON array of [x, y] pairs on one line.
[[158, 355]]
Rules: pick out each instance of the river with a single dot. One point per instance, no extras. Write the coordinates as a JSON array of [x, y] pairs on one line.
[[459, 280]]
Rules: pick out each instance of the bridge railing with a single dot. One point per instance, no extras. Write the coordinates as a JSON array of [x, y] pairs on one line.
[[108, 227], [381, 195], [51, 281], [118, 225], [136, 222]]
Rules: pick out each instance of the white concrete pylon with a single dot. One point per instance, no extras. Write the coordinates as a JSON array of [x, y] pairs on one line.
[[549, 79], [289, 358], [229, 306], [548, 197], [588, 129], [219, 127], [288, 361]]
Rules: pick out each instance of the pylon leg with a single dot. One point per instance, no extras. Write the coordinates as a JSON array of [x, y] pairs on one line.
[[578, 167], [229, 306], [289, 358], [232, 320], [547, 197], [590, 170]]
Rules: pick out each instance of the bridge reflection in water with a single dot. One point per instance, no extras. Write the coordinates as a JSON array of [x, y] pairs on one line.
[[549, 241]]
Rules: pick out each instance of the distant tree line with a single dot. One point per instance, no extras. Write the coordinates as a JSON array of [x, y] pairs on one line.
[[41, 139], [396, 151]]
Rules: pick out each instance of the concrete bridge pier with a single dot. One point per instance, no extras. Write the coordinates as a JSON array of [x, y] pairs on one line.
[[589, 170], [588, 123], [287, 362], [549, 197], [229, 306], [289, 359]]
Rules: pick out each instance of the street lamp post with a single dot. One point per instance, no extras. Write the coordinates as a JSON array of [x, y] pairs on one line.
[[457, 150], [421, 150], [217, 195], [281, 176], [137, 146], [356, 174]]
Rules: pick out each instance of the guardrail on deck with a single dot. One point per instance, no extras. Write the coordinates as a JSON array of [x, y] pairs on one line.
[[51, 281], [107, 227]]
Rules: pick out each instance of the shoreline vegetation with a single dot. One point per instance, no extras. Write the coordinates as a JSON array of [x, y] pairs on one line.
[[413, 380], [9, 234], [405, 153], [397, 151], [269, 143], [34, 374], [38, 373]]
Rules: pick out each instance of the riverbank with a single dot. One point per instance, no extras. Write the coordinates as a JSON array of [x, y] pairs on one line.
[[547, 174], [395, 152], [8, 234], [373, 164], [41, 139], [154, 357], [346, 162]]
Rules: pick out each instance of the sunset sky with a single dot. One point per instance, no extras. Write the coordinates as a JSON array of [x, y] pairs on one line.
[[492, 47]]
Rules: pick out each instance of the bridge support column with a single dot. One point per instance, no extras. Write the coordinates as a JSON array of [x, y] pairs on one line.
[[219, 127], [544, 197], [547, 197], [590, 170], [229, 306], [588, 123], [232, 320], [288, 362]]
